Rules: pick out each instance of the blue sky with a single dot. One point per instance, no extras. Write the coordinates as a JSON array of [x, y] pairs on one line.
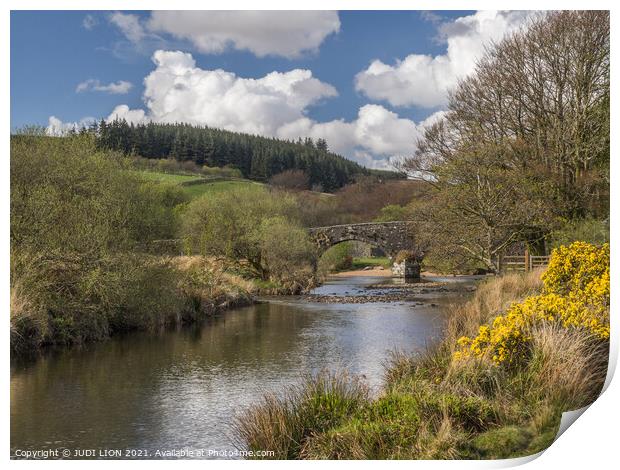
[[367, 81]]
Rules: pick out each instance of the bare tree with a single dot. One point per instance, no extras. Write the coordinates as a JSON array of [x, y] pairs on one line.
[[525, 138], [543, 92], [296, 180]]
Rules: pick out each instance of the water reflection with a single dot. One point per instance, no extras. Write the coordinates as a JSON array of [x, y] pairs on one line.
[[181, 388]]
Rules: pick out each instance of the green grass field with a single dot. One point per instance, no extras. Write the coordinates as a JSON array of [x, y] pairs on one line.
[[168, 177], [197, 190], [210, 185]]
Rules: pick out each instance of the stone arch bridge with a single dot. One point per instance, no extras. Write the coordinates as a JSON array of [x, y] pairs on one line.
[[391, 237]]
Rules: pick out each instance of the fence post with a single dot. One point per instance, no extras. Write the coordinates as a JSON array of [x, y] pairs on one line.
[[528, 266]]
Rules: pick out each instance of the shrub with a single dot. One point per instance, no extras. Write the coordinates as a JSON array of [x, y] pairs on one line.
[[392, 212], [253, 224], [79, 224], [589, 230], [575, 295], [296, 180], [337, 258], [205, 285], [229, 223], [287, 253]]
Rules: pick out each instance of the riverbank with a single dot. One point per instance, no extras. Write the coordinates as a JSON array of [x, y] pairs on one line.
[[495, 387], [166, 291]]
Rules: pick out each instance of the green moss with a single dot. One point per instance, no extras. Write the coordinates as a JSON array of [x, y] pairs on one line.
[[501, 443], [473, 413]]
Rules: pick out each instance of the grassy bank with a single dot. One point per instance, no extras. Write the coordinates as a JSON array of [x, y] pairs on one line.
[[495, 387], [64, 301]]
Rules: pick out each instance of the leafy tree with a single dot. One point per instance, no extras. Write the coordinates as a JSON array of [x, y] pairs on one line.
[[230, 223], [543, 94], [286, 250], [477, 206]]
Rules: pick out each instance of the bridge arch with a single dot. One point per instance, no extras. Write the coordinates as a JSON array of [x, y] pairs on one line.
[[391, 237]]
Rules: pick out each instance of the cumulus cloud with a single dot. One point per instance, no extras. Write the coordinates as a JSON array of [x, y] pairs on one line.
[[423, 80], [121, 87], [57, 127], [178, 91], [273, 105], [282, 33], [375, 138], [132, 116]]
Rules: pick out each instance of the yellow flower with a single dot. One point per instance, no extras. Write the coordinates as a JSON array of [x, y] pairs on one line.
[[575, 295]]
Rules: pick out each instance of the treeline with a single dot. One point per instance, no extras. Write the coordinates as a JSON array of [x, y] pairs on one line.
[[257, 158], [524, 147]]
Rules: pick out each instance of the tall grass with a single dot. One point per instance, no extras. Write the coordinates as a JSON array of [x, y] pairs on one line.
[[285, 422], [433, 406]]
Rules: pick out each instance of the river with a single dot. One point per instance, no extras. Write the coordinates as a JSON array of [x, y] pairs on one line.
[[181, 389]]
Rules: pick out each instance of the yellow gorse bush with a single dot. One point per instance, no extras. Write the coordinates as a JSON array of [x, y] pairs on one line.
[[575, 295]]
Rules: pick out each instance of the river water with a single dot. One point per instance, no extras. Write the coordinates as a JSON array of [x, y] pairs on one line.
[[181, 389]]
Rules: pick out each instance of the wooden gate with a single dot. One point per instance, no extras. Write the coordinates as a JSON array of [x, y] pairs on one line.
[[524, 262]]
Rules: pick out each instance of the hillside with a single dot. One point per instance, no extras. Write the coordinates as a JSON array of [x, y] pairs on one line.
[[257, 158], [196, 185]]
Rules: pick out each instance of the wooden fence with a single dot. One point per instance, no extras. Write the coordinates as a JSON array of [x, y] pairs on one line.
[[524, 262]]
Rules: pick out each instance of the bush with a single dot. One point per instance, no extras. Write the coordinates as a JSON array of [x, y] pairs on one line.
[[287, 253], [253, 224], [337, 258], [575, 295], [594, 231], [73, 298], [392, 212], [206, 285], [80, 225], [296, 180]]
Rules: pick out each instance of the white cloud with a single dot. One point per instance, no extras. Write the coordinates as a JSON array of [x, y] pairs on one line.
[[178, 91], [375, 138], [423, 80], [129, 24], [89, 22], [56, 127], [121, 87], [273, 105], [282, 33], [132, 116]]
